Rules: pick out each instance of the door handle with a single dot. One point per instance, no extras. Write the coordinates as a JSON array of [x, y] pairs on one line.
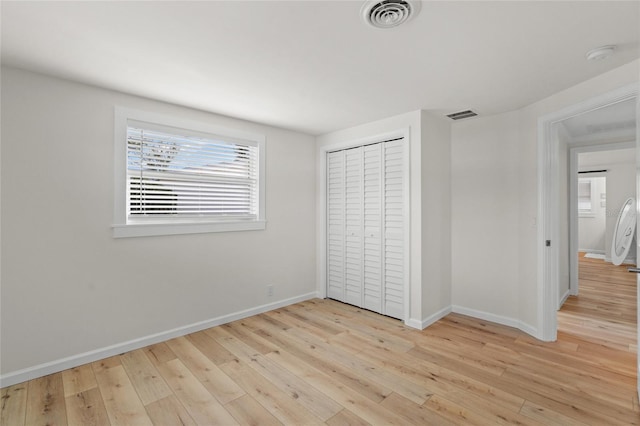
[[634, 270]]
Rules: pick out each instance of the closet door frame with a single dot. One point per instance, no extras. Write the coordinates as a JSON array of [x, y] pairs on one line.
[[321, 286]]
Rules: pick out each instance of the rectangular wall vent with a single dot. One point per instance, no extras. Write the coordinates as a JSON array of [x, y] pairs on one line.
[[462, 114]]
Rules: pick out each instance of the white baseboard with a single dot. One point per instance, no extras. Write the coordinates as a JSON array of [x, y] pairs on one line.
[[627, 261], [498, 319], [591, 251], [421, 325], [56, 366], [563, 298], [529, 329]]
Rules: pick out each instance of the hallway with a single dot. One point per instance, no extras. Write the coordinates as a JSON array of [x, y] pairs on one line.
[[601, 322]]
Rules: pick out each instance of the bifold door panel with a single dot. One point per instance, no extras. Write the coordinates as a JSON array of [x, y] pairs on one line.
[[365, 227]]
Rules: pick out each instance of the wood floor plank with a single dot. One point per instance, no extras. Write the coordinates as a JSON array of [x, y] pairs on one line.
[[339, 373], [455, 360], [221, 386], [412, 413], [346, 418], [169, 411], [563, 394], [254, 323], [280, 404], [299, 320], [493, 412], [249, 412], [605, 310], [435, 378], [383, 377], [578, 359], [611, 388], [344, 356], [361, 406], [454, 412], [45, 401], [14, 405], [121, 401], [344, 319], [198, 402], [145, 377], [159, 353], [78, 379], [210, 348], [246, 335], [547, 416], [314, 401], [87, 408]]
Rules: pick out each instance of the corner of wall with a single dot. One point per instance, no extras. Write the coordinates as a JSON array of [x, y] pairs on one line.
[[436, 215]]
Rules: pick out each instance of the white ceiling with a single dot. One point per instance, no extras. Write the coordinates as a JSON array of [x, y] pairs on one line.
[[613, 123], [314, 66]]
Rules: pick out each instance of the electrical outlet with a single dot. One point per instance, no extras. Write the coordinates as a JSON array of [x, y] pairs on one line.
[[269, 290]]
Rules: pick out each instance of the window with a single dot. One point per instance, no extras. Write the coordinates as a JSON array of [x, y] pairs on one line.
[[592, 197], [585, 198], [174, 177]]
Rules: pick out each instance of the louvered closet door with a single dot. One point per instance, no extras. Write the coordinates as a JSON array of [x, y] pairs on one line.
[[335, 225], [393, 245], [353, 231], [372, 240], [365, 221]]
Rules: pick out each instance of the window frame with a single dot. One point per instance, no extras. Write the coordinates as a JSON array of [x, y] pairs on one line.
[[592, 196], [122, 228]]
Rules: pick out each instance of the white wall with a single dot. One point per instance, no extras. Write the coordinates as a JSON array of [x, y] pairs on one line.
[[591, 229], [436, 215], [563, 204], [621, 179], [484, 216], [68, 287]]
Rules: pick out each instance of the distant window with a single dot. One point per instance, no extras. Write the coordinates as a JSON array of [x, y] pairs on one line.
[[586, 193], [187, 177]]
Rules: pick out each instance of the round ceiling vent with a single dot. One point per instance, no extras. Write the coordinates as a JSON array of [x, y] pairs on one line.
[[389, 13], [601, 53]]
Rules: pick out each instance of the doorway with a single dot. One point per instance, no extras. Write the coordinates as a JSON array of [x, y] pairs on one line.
[[592, 211], [599, 306], [601, 179], [553, 164]]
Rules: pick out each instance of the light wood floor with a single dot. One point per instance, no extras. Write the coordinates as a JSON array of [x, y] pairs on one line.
[[322, 362], [605, 312]]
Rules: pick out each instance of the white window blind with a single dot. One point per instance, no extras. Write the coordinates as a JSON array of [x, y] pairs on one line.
[[584, 195], [176, 175]]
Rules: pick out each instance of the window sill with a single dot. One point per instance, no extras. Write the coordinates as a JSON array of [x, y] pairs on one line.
[[148, 230]]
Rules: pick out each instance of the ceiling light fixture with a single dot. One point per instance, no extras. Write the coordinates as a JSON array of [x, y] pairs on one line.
[[601, 52], [389, 13]]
